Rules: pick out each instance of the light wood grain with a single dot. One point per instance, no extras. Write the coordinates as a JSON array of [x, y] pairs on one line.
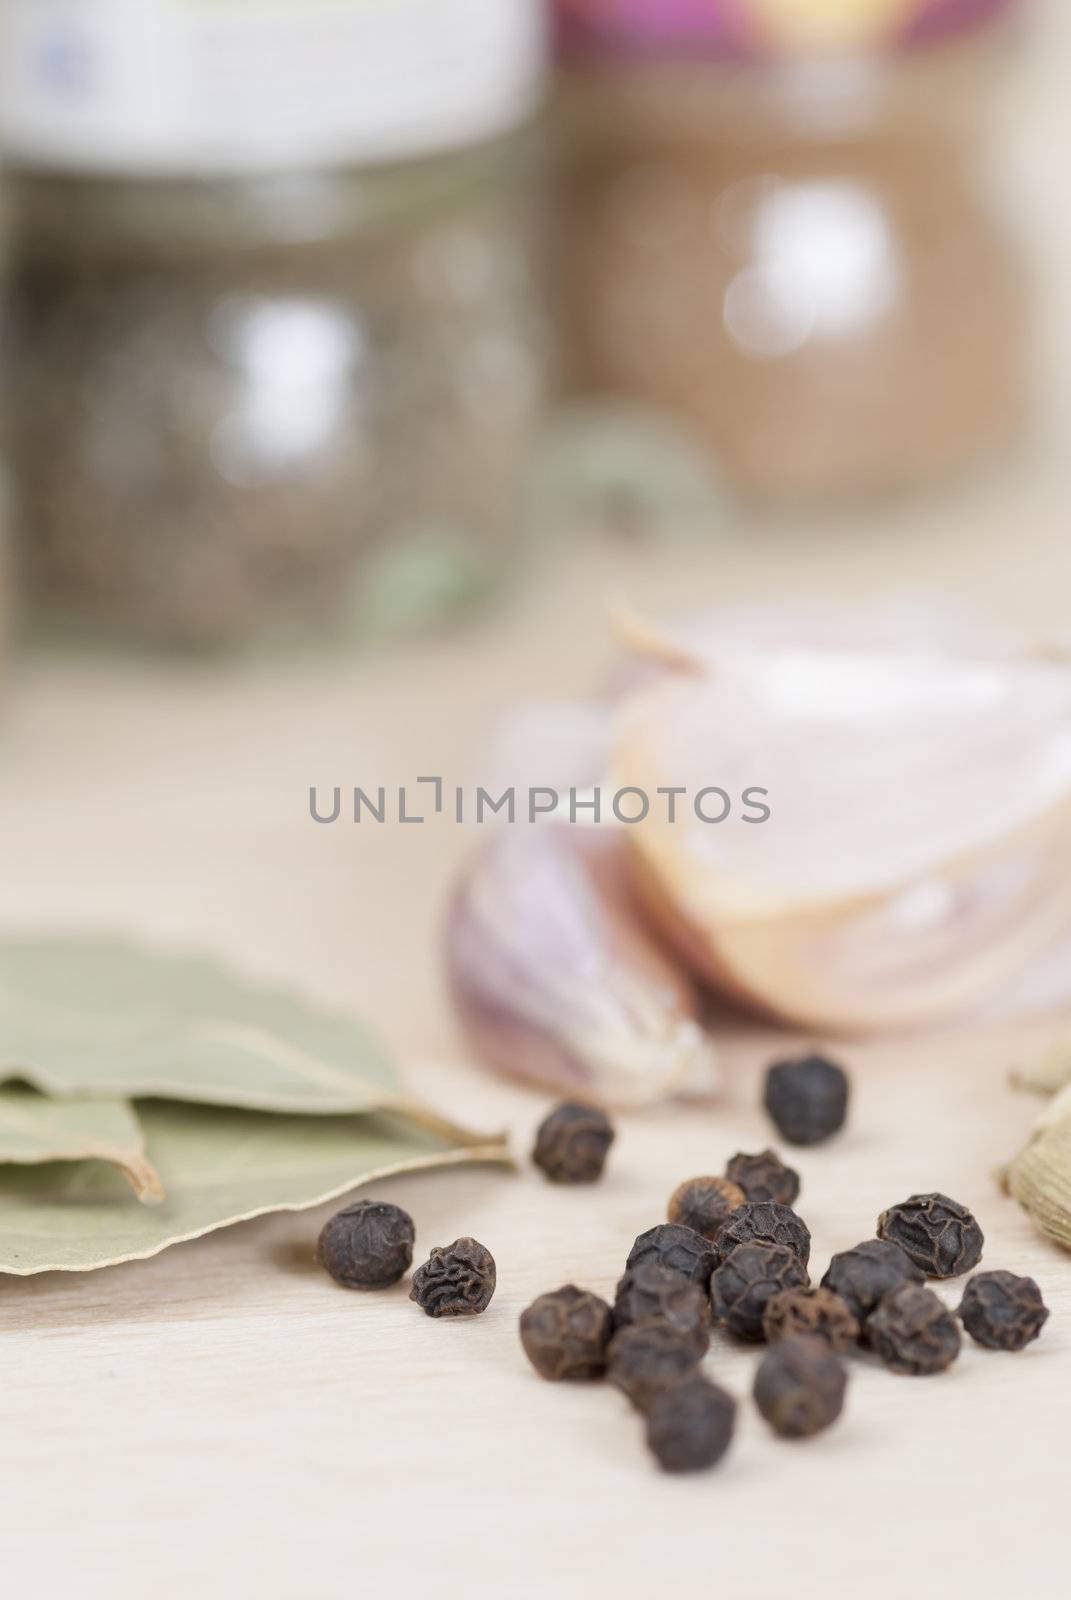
[[224, 1415]]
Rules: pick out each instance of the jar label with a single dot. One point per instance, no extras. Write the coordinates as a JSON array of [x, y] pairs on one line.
[[128, 86]]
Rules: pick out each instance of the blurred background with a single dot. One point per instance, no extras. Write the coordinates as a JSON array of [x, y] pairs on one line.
[[356, 350]]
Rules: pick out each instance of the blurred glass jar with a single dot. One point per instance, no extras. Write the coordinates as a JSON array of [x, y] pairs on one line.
[[777, 228], [279, 328]]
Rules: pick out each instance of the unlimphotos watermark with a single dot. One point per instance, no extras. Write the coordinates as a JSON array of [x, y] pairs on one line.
[[428, 797]]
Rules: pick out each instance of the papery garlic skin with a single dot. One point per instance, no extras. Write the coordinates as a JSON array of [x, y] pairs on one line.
[[915, 627], [918, 855], [555, 980]]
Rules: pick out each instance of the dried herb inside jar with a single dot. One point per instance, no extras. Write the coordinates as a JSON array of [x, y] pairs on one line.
[[252, 409]]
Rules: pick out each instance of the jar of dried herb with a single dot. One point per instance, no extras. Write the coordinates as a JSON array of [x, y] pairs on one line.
[[279, 322], [780, 229]]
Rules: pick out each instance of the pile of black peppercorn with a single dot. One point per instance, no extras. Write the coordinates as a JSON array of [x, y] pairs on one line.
[[727, 1262], [734, 1252]]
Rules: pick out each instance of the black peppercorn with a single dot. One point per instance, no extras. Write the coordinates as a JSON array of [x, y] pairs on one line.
[[766, 1222], [704, 1204], [457, 1280], [764, 1177], [940, 1235], [653, 1293], [811, 1313], [807, 1099], [799, 1387], [690, 1424], [566, 1333], [862, 1275], [913, 1332], [673, 1246], [572, 1143], [646, 1356], [368, 1245], [747, 1280], [1002, 1311]]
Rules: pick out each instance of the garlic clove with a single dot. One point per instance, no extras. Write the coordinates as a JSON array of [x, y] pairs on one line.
[[556, 744], [554, 979], [707, 642], [1042, 989], [906, 625], [919, 851]]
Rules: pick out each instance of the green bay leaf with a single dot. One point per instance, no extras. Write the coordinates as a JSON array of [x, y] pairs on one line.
[[98, 1016], [218, 1166], [35, 1129]]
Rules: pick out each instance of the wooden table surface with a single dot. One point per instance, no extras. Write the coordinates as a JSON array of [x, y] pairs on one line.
[[222, 1419]]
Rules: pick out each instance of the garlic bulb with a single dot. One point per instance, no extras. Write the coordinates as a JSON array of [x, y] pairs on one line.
[[918, 854], [554, 980]]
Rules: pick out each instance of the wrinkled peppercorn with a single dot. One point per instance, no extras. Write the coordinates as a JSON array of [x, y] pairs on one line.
[[704, 1204], [646, 1356], [572, 1143], [1002, 1311], [799, 1387], [673, 1246], [766, 1222], [690, 1424], [807, 1099], [913, 1332], [653, 1293], [811, 1313], [764, 1177], [368, 1245], [566, 1334], [457, 1280], [940, 1235], [747, 1280], [862, 1275]]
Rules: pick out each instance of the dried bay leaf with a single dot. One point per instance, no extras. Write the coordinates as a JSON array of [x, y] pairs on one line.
[[237, 1067], [218, 1166], [35, 1129], [99, 1016]]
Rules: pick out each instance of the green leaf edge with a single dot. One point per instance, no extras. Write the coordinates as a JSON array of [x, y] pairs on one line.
[[494, 1152], [173, 1088], [132, 1161]]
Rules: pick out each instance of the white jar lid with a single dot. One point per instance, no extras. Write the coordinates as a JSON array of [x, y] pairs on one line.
[[233, 86]]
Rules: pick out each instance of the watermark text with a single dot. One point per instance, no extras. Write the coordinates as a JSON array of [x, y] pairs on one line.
[[425, 798]]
